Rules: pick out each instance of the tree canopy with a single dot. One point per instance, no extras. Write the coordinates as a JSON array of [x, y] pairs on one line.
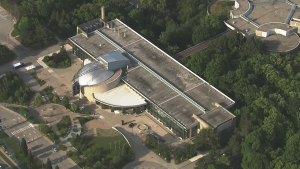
[[173, 25], [264, 86]]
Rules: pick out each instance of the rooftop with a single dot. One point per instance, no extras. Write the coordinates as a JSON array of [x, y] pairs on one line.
[[92, 25], [92, 44], [165, 66], [241, 25], [244, 5], [265, 13], [268, 26], [113, 56], [217, 117], [121, 96], [280, 43]]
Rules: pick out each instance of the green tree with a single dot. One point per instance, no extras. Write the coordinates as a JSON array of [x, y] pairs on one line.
[[24, 148], [206, 139], [56, 167], [48, 164], [38, 100], [73, 107], [65, 102]]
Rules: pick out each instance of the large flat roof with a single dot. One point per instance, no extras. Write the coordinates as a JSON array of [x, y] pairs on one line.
[[92, 44], [165, 66], [217, 117], [241, 25], [262, 14]]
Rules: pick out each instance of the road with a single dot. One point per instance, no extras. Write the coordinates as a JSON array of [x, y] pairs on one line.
[[24, 55], [3, 165], [17, 126]]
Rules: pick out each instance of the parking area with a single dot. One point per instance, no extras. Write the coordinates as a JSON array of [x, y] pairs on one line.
[[16, 126]]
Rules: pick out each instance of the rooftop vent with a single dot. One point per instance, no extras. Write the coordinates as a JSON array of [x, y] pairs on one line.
[[246, 30], [233, 22]]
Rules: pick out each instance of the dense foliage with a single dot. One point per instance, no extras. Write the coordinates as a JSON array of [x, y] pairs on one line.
[[264, 86], [58, 60], [14, 90], [64, 125], [6, 55], [38, 100], [88, 156], [160, 148], [171, 24], [45, 129]]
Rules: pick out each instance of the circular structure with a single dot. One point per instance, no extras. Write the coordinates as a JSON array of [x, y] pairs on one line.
[[142, 127], [274, 22], [280, 43], [93, 74]]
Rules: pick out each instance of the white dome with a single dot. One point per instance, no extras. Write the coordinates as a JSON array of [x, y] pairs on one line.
[[92, 74]]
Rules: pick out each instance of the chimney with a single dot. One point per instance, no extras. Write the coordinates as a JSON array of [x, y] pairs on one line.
[[102, 13]]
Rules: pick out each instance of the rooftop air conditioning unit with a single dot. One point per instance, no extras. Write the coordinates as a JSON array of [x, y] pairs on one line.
[[246, 30], [233, 22]]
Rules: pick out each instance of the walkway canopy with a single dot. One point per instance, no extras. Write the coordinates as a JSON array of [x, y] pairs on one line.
[[121, 96]]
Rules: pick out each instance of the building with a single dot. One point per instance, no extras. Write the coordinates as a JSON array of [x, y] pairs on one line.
[[274, 22], [124, 71]]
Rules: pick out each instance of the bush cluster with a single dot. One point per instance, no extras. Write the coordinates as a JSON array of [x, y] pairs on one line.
[[58, 60]]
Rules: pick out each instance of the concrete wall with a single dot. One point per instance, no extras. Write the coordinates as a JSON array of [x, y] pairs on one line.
[[227, 125], [296, 24], [89, 90], [117, 64]]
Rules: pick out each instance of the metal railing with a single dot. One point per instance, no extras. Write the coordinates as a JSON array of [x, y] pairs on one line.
[[288, 18], [152, 72]]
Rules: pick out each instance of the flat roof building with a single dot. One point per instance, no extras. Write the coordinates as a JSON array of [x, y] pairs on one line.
[[274, 22], [175, 96]]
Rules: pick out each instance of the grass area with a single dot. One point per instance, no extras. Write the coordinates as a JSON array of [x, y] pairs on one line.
[[83, 120], [6, 55], [14, 33], [8, 161], [18, 38], [221, 8], [40, 81], [63, 125], [63, 147], [103, 143], [14, 145], [25, 113]]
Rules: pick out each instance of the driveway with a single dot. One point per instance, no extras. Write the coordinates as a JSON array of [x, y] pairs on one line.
[[17, 126]]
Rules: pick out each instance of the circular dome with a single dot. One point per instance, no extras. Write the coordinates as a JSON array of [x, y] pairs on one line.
[[92, 74]]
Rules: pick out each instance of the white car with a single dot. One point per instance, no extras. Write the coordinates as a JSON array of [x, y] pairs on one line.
[[55, 149]]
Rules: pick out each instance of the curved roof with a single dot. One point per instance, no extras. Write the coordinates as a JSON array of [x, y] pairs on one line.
[[92, 74], [121, 96]]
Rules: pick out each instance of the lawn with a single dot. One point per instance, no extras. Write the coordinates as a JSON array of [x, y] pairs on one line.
[[103, 142], [40, 81], [14, 33], [6, 55], [14, 146], [63, 125], [222, 8]]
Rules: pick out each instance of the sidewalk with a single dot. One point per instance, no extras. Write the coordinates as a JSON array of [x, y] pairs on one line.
[[12, 161]]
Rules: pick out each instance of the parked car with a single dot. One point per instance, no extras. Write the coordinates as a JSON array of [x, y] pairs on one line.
[[55, 149]]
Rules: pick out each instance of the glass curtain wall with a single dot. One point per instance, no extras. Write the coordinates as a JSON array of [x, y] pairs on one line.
[[81, 54], [172, 124]]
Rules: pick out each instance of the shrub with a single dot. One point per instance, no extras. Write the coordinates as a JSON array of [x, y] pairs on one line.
[[38, 100]]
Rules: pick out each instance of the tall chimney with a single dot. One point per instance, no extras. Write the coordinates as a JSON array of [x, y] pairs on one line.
[[102, 13]]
